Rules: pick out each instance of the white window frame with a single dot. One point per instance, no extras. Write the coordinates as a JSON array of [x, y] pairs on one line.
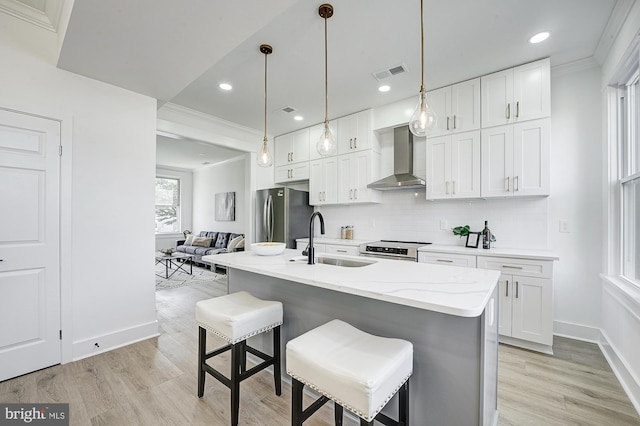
[[179, 206], [624, 132]]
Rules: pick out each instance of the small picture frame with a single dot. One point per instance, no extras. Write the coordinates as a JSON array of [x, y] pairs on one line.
[[473, 239]]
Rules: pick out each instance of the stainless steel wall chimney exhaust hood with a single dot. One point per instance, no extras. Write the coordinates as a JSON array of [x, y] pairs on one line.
[[402, 177]]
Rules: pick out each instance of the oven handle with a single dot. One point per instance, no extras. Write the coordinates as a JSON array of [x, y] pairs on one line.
[[388, 256]]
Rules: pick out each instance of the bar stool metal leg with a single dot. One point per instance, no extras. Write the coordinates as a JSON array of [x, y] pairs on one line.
[[363, 422], [337, 414], [237, 353], [277, 363], [296, 402], [403, 402], [202, 350]]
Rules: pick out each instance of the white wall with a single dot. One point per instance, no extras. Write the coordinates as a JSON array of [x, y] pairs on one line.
[[108, 170], [186, 205], [208, 181]]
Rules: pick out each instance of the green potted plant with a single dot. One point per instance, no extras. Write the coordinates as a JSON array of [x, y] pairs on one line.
[[461, 231]]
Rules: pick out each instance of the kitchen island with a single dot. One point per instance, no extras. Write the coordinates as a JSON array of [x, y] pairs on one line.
[[448, 313]]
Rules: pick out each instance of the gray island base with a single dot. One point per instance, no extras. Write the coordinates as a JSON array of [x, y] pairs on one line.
[[455, 358]]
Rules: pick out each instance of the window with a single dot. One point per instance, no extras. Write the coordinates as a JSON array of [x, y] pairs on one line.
[[629, 175], [167, 205]]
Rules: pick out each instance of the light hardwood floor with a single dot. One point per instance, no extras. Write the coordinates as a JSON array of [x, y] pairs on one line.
[[153, 382]]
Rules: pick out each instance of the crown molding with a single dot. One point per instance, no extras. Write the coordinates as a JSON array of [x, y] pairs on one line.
[[47, 19], [575, 66], [611, 30]]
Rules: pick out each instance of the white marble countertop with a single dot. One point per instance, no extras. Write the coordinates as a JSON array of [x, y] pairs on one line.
[[494, 252], [452, 290], [337, 241]]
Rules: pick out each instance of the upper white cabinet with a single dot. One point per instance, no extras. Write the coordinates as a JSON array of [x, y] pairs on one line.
[[355, 133], [518, 94], [457, 107], [515, 159], [292, 173], [323, 181], [453, 166], [355, 172], [292, 148], [314, 136]]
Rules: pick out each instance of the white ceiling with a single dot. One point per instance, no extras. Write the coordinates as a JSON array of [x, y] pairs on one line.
[[180, 54], [190, 154]]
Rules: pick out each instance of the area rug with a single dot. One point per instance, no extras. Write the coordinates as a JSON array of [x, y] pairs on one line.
[[179, 279]]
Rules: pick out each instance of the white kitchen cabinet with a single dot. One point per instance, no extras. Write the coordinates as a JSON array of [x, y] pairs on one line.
[[314, 136], [342, 249], [457, 107], [355, 172], [453, 166], [448, 259], [292, 148], [517, 94], [355, 133], [515, 160], [317, 247], [292, 172], [323, 181], [525, 302]]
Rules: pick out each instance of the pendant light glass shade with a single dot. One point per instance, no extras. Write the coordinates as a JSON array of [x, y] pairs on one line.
[[326, 145], [264, 158], [423, 119]]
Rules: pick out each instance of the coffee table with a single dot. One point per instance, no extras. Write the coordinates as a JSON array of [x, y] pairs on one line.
[[171, 263]]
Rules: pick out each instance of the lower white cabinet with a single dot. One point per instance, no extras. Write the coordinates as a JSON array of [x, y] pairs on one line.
[[526, 300], [340, 249], [447, 259]]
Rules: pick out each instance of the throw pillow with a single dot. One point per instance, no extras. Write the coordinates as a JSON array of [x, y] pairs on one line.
[[233, 244], [189, 240], [201, 242]]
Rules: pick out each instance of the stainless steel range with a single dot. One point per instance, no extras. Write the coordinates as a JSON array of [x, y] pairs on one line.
[[400, 250]]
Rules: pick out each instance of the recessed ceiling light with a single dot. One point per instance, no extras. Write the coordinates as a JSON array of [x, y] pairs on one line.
[[539, 37], [298, 118], [384, 88], [225, 86]]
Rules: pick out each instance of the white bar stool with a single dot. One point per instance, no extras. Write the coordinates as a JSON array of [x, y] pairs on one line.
[[356, 370], [236, 317]]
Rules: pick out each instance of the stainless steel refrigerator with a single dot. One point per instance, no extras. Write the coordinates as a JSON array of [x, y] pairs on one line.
[[282, 215]]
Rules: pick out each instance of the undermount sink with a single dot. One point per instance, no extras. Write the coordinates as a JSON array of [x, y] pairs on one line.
[[349, 263]]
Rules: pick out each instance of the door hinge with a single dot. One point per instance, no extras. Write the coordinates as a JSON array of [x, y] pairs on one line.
[[60, 334], [60, 150]]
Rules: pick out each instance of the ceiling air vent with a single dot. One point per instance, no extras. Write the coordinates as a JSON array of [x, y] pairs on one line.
[[389, 72], [288, 109]]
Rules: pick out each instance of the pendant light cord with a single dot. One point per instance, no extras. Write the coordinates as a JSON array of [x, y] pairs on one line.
[[326, 76], [265, 97], [422, 42]]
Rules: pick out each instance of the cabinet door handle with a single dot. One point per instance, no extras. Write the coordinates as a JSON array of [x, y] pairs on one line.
[[355, 143], [507, 181], [447, 122], [355, 193], [454, 122], [444, 260], [351, 194], [511, 267], [506, 293], [516, 183], [350, 143], [517, 109], [454, 187], [341, 251], [292, 157], [516, 289], [508, 111]]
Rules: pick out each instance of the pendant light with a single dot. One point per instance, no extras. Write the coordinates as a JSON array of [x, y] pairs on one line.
[[264, 158], [423, 119], [326, 145]]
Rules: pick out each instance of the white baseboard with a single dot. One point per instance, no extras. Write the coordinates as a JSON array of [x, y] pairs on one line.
[[107, 342], [629, 382], [576, 331]]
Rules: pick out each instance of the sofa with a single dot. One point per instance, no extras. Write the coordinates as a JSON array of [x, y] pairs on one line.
[[210, 242]]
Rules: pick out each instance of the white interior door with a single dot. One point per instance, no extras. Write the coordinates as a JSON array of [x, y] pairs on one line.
[[29, 244]]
